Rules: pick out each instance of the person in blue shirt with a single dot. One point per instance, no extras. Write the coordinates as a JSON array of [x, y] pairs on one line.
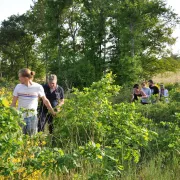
[[147, 91]]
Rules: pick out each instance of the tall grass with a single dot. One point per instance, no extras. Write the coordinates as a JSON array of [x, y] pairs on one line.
[[167, 78], [155, 169]]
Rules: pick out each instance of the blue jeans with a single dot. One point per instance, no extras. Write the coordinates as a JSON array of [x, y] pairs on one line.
[[30, 126]]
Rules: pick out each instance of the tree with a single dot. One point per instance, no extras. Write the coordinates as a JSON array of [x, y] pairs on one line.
[[80, 40], [140, 31]]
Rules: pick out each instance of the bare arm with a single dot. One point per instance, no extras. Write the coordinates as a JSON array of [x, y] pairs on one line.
[[143, 95], [14, 101], [132, 95], [61, 102], [48, 105]]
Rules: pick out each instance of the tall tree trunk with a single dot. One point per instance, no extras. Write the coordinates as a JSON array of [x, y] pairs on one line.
[[46, 61], [132, 39]]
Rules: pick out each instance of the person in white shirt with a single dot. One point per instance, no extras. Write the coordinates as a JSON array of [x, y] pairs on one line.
[[27, 94]]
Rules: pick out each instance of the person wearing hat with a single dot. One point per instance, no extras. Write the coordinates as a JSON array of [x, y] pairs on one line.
[[55, 94]]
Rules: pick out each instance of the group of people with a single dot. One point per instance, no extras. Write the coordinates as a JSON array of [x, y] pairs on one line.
[[145, 93], [28, 93]]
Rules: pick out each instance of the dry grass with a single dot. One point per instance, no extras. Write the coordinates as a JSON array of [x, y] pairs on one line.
[[167, 78]]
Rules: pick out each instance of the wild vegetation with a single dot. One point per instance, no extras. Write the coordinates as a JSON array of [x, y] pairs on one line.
[[95, 139], [98, 134], [80, 40]]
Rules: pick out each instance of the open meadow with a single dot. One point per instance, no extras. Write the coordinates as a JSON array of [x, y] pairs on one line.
[[168, 78]]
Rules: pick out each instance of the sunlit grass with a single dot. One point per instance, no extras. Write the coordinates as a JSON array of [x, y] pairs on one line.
[[167, 78]]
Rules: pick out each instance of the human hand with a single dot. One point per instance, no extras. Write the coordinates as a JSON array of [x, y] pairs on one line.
[[54, 113]]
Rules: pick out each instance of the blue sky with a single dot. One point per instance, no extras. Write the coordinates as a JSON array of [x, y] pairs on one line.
[[10, 7]]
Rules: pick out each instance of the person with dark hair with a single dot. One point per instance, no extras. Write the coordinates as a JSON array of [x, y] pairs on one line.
[[154, 91], [55, 95], [27, 94], [137, 93]]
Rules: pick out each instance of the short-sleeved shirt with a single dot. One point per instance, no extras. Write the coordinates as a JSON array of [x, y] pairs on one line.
[[147, 91], [28, 97], [53, 97], [154, 90]]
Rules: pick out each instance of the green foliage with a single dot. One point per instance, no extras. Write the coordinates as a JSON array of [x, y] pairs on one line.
[[80, 40], [165, 117], [157, 66], [123, 96], [93, 138], [154, 169], [22, 156], [175, 94], [117, 129], [10, 140], [17, 47]]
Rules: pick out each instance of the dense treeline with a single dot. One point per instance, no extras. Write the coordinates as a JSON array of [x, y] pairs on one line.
[[80, 40]]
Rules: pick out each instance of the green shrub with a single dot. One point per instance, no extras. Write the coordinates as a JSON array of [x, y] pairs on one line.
[[160, 111], [117, 129], [93, 138], [166, 123]]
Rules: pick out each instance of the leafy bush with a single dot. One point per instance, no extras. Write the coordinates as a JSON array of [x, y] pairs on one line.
[[93, 137], [24, 157], [89, 116], [160, 111], [166, 123]]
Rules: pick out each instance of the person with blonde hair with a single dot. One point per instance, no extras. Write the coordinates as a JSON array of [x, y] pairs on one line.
[[26, 94], [147, 91]]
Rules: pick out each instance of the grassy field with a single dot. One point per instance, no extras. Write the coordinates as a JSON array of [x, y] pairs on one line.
[[168, 78]]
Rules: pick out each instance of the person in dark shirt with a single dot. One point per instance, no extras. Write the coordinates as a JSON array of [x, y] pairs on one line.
[[154, 90], [55, 94], [137, 93]]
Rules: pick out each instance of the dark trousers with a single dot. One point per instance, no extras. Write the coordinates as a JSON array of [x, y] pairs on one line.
[[45, 117]]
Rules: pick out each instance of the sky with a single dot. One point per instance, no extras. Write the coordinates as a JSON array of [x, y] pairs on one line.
[[10, 7], [175, 4]]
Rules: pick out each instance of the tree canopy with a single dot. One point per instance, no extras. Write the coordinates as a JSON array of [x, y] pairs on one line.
[[80, 40]]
